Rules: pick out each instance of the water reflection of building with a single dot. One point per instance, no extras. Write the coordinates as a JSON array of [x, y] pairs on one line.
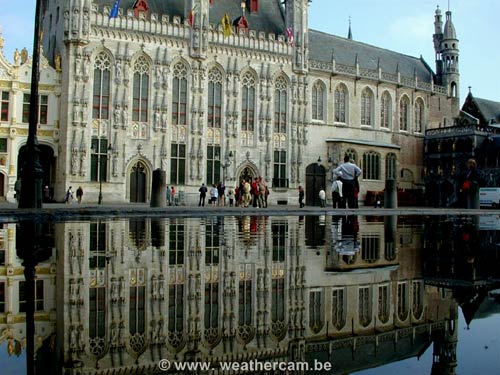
[[234, 289], [13, 300]]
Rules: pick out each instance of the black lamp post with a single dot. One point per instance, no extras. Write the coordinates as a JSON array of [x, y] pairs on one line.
[[109, 150], [31, 171]]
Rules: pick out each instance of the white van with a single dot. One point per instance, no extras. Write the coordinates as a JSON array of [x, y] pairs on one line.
[[489, 197]]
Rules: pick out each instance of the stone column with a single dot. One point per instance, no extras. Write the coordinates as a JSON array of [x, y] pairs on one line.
[[391, 194]]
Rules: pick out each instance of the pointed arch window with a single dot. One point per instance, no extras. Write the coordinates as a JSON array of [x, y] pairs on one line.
[[419, 115], [212, 250], [371, 165], [404, 113], [280, 105], [365, 306], [340, 104], [102, 73], [214, 98], [402, 301], [318, 101], [390, 166], [339, 308], [137, 302], [383, 303], [385, 111], [418, 299], [366, 107], [248, 103], [179, 94], [353, 155], [316, 311], [140, 100]]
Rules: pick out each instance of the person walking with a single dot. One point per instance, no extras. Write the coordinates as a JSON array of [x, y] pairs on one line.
[[350, 172], [46, 194], [221, 191], [266, 195], [203, 193], [262, 192], [301, 196], [322, 198], [172, 196], [337, 190], [17, 189], [69, 195], [79, 194], [168, 195]]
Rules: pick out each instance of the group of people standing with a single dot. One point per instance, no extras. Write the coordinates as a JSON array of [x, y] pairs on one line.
[[248, 193]]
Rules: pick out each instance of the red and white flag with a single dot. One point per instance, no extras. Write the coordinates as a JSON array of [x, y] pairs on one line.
[[289, 34]]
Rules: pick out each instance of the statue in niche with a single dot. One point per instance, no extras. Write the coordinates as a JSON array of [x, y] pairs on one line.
[[24, 55], [86, 22], [74, 162], [66, 22], [83, 164], [158, 74], [305, 135], [196, 38], [84, 113], [126, 72], [164, 119], [78, 66], [164, 76], [76, 112], [17, 57], [118, 71], [125, 117], [57, 62], [86, 68], [75, 20], [117, 115], [157, 118]]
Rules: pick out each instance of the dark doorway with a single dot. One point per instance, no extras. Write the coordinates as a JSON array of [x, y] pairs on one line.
[[2, 186], [315, 231], [47, 161], [138, 183], [315, 181], [247, 175]]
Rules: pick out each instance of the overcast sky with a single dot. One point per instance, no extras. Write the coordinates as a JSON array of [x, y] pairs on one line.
[[402, 26]]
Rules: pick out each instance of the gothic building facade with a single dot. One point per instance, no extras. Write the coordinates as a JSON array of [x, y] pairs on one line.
[[166, 85]]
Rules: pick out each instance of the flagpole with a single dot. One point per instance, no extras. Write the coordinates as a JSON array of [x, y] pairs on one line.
[[31, 171]]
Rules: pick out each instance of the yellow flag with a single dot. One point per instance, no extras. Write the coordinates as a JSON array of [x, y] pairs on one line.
[[226, 25]]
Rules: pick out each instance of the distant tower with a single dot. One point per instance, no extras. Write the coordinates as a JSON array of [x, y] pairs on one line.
[[444, 357], [446, 47]]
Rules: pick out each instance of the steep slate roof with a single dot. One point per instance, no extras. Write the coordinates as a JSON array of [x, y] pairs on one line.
[[270, 18], [483, 109], [345, 51]]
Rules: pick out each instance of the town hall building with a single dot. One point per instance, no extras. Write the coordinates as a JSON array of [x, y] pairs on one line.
[[178, 86]]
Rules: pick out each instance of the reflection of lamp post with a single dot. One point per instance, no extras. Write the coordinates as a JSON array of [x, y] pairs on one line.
[[96, 150]]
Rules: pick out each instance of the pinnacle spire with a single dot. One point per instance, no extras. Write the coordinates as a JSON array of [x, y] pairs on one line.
[[349, 33]]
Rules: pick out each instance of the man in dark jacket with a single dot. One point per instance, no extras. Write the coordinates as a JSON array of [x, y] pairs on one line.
[[203, 194]]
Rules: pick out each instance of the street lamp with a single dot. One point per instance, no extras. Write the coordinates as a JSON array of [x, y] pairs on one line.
[[96, 150], [319, 161]]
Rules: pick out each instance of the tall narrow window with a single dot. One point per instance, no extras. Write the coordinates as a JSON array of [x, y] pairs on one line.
[[280, 105], [213, 165], [370, 248], [279, 179], [390, 166], [419, 115], [339, 308], [4, 106], [402, 301], [43, 104], [245, 301], [248, 103], [371, 166], [340, 104], [417, 299], [178, 164], [365, 306], [404, 113], [175, 313], [38, 285], [99, 160], [383, 303], [179, 94], [137, 309], [97, 245], [366, 107], [280, 233], [176, 244], [214, 98], [141, 90], [385, 111], [353, 155], [318, 100], [102, 72], [316, 311]]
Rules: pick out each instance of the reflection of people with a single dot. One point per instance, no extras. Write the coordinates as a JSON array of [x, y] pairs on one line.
[[350, 173], [168, 196], [301, 196], [46, 194]]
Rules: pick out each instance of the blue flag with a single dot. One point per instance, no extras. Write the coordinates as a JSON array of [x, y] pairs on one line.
[[114, 10]]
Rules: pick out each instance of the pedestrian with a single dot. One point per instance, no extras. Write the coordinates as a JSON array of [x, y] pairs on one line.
[[79, 194], [168, 195], [337, 190], [262, 191], [247, 198], [255, 192], [237, 196], [221, 191], [203, 194], [470, 185], [17, 189], [69, 195], [172, 196], [213, 195], [266, 194], [301, 196], [230, 196], [46, 194], [350, 172], [322, 198]]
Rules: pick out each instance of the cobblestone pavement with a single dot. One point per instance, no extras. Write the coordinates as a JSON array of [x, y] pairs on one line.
[[59, 211]]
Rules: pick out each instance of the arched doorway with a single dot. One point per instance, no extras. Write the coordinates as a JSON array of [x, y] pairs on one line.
[[47, 161], [247, 174], [138, 183], [315, 181]]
